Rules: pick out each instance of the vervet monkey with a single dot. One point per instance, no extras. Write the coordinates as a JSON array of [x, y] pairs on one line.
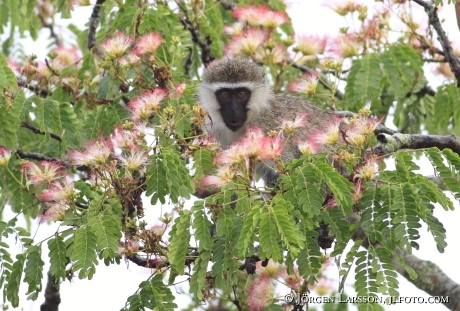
[[237, 97]]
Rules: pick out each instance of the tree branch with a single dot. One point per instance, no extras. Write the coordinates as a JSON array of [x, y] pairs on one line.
[[392, 143], [431, 279], [93, 23], [36, 130], [434, 21], [188, 62], [52, 296]]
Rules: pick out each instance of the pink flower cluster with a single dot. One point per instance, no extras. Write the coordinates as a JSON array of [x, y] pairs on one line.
[[124, 149], [305, 85], [254, 147], [118, 46], [5, 156], [252, 36], [261, 290], [260, 16], [45, 172], [96, 154], [59, 189], [147, 105]]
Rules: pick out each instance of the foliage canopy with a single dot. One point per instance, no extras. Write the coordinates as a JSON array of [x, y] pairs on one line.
[[85, 134]]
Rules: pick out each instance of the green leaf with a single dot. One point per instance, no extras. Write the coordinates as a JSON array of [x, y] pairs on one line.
[[347, 263], [269, 238], [168, 174], [433, 192], [364, 80], [225, 267], [351, 95], [202, 226], [67, 125], [434, 226], [291, 236], [153, 295], [107, 235], [447, 119], [34, 272], [338, 226], [7, 77], [198, 279], [45, 114], [405, 166], [21, 106], [386, 276], [402, 66], [14, 280], [109, 88], [366, 284], [9, 124], [212, 24], [178, 241], [84, 252], [339, 185], [203, 162], [406, 220], [179, 179], [303, 190], [157, 180], [19, 198], [101, 120], [368, 78], [247, 236], [273, 307], [224, 224], [309, 258], [57, 257], [446, 174]]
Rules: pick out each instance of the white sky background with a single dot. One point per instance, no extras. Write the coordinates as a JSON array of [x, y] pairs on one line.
[[110, 286]]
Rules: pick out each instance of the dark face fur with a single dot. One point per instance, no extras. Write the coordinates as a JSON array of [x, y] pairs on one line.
[[233, 106]]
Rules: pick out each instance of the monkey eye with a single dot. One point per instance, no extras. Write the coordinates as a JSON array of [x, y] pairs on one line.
[[241, 95], [224, 95]]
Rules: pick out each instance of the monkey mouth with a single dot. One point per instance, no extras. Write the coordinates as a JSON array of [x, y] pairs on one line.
[[235, 125]]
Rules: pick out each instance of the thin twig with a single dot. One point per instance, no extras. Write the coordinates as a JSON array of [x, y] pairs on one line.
[[57, 41], [36, 130], [430, 60], [434, 21], [51, 69], [307, 70], [204, 44], [36, 156]]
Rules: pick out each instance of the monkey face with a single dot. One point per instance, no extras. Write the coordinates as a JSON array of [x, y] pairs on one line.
[[233, 106]]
